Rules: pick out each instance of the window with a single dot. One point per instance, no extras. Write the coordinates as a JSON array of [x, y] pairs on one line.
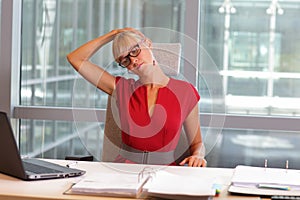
[[254, 46], [243, 56], [50, 30]]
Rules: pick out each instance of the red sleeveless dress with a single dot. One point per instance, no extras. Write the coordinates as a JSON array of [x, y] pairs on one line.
[[161, 131]]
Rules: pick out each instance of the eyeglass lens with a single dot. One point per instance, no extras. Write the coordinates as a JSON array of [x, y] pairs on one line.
[[125, 62]]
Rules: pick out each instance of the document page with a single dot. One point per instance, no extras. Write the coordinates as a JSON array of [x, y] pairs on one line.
[[166, 184], [265, 181], [109, 184], [148, 182], [253, 176]]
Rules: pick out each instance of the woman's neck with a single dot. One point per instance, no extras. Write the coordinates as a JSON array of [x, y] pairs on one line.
[[155, 77]]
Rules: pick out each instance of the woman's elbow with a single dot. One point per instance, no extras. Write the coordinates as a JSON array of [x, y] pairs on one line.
[[70, 58], [73, 61]]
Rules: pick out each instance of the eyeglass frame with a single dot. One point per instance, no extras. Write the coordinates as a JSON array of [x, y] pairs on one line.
[[129, 54]]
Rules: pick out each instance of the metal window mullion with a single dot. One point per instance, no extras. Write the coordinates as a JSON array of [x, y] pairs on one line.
[[90, 20], [75, 24], [30, 136], [141, 16], [99, 139], [191, 42], [10, 58], [101, 25], [10, 54], [175, 17], [16, 63], [60, 113], [85, 137], [101, 20], [74, 127], [71, 146], [34, 52], [128, 13], [208, 120], [271, 56], [89, 35], [6, 46], [56, 46], [121, 13], [243, 122], [112, 14], [182, 10], [54, 135]]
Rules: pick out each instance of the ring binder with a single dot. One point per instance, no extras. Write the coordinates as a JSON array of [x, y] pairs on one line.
[[266, 164], [259, 181], [146, 171], [147, 182]]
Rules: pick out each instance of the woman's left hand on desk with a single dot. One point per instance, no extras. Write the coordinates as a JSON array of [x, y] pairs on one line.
[[194, 161]]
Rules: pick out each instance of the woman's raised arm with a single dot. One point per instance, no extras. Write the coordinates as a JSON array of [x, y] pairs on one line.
[[80, 60]]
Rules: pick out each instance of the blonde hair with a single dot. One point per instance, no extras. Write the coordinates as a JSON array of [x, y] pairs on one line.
[[124, 41]]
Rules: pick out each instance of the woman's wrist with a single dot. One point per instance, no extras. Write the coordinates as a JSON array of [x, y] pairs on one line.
[[199, 151], [113, 32], [198, 155]]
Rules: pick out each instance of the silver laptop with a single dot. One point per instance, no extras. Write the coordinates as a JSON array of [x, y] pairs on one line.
[[26, 169]]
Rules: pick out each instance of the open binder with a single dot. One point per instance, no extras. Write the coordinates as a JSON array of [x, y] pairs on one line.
[[148, 182], [168, 185], [265, 181]]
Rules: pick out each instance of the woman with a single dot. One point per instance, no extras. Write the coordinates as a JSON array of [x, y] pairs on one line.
[[152, 109]]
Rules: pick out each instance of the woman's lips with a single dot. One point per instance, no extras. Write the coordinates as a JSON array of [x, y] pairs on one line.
[[139, 65]]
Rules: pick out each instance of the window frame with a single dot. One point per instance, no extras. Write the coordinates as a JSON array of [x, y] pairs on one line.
[[10, 78]]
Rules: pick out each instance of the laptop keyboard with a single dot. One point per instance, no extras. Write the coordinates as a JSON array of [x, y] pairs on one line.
[[38, 169]]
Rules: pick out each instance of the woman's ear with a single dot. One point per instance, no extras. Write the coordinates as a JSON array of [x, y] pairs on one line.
[[149, 43]]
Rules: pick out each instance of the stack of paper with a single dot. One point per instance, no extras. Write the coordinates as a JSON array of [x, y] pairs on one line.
[[110, 184], [161, 184], [265, 181], [172, 186]]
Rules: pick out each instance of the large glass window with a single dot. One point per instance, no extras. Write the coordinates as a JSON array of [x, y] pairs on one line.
[[246, 54], [253, 147], [53, 28], [255, 46]]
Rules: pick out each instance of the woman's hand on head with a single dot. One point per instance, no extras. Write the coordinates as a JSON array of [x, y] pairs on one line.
[[125, 29], [194, 161], [129, 29], [120, 30]]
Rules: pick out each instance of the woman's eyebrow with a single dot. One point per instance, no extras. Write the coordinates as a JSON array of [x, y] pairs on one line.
[[129, 50], [137, 45]]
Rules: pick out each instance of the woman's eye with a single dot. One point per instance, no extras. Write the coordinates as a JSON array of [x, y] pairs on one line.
[[134, 51], [124, 62]]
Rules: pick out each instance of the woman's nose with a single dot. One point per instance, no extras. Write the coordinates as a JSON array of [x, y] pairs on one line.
[[134, 61]]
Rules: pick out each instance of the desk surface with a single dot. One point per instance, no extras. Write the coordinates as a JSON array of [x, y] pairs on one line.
[[14, 189]]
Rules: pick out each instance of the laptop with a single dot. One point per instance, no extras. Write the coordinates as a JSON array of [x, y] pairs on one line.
[[29, 168]]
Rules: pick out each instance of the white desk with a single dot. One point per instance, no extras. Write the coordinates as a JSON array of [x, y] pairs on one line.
[[14, 189]]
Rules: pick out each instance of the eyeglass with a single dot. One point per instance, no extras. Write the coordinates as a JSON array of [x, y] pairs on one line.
[[134, 52]]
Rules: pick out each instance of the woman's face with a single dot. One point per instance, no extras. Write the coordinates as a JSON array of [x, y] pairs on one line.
[[139, 55]]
